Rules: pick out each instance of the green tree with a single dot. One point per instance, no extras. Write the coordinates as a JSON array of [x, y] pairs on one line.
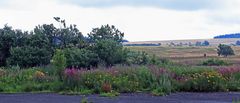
[[7, 40], [50, 31], [69, 36], [198, 43], [39, 40], [225, 50], [110, 52], [205, 43], [106, 32], [238, 43]]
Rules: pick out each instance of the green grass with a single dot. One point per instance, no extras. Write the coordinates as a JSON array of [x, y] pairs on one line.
[[110, 94]]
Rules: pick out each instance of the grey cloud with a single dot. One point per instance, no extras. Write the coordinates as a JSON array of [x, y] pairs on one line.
[[168, 4]]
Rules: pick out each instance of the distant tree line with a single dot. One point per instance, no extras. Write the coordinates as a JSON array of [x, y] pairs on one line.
[[144, 44], [236, 35]]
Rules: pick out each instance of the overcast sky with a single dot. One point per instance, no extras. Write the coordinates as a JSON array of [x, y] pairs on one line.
[[140, 20]]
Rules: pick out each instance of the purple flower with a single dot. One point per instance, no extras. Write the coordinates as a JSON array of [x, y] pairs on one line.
[[228, 70], [70, 72]]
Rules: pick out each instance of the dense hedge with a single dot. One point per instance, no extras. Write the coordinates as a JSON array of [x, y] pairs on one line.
[[80, 57], [236, 35], [29, 56]]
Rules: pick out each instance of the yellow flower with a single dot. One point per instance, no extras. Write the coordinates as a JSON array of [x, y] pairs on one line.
[[39, 75]]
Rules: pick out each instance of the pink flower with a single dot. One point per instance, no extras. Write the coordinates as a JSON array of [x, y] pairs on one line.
[[70, 72], [228, 70]]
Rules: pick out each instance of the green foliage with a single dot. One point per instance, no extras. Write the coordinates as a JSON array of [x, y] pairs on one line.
[[145, 78], [77, 91], [43, 39], [27, 80], [80, 58], [111, 82], [61, 37], [29, 56], [225, 50], [7, 40], [84, 100], [35, 48], [215, 62], [158, 92], [206, 82], [120, 80], [140, 58], [111, 94], [38, 40], [110, 52], [205, 43], [233, 81], [143, 58], [59, 62], [238, 43], [106, 32]]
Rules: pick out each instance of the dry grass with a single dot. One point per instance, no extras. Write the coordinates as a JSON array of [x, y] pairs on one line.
[[189, 55]]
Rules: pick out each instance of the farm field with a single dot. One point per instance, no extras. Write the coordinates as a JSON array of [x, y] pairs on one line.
[[188, 55], [213, 42]]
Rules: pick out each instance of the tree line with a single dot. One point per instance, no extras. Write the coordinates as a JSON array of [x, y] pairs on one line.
[[102, 45], [235, 35]]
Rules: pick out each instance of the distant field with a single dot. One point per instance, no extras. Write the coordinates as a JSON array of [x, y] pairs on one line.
[[213, 42], [188, 55]]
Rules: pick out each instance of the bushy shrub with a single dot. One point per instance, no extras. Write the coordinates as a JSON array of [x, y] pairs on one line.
[[59, 63], [106, 87], [215, 62], [39, 76], [232, 74], [80, 58], [140, 58], [238, 43], [206, 82], [225, 50], [229, 71], [29, 56], [144, 78], [110, 52], [234, 82]]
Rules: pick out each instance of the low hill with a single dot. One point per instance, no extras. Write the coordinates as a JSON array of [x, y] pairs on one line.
[[236, 35]]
